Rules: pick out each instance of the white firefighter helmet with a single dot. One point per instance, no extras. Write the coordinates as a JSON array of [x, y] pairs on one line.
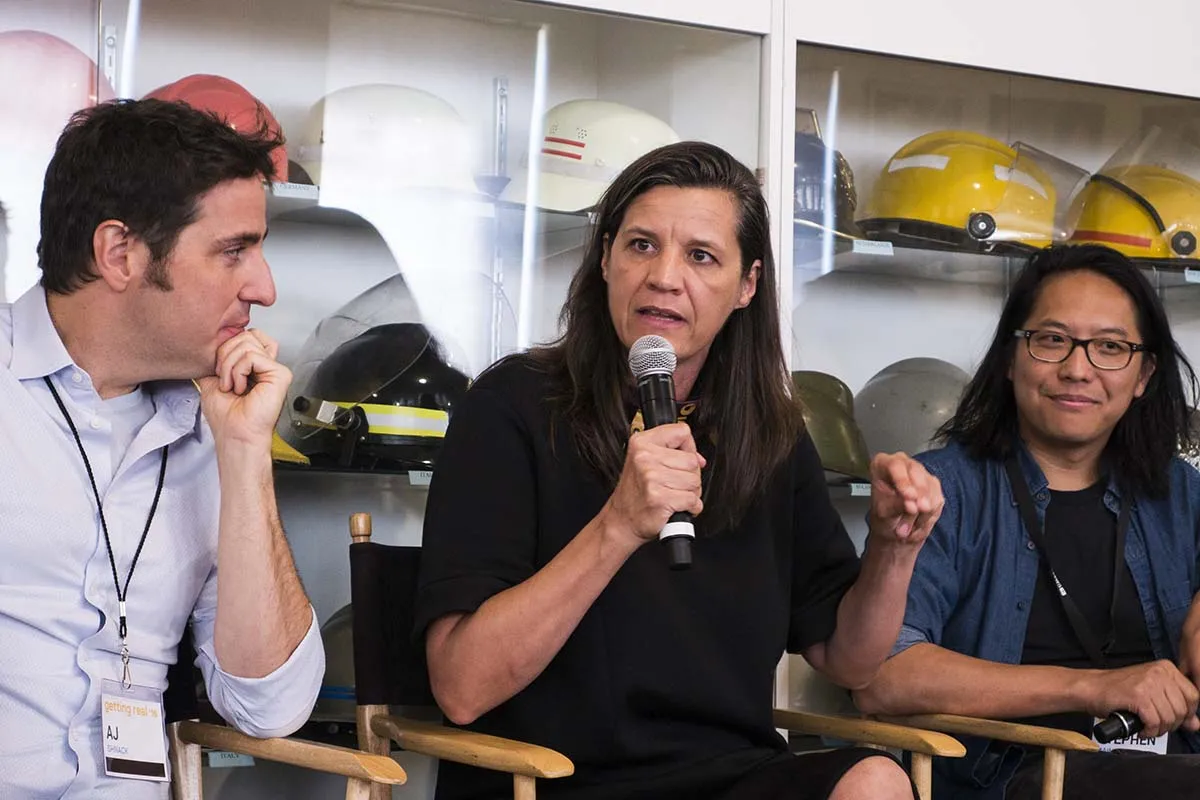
[[383, 137], [901, 407], [586, 143]]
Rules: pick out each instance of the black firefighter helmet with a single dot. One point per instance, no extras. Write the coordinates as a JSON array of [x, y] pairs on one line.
[[811, 179], [382, 399]]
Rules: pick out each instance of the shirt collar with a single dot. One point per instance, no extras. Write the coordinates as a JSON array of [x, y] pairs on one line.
[[182, 399], [1036, 479], [38, 350]]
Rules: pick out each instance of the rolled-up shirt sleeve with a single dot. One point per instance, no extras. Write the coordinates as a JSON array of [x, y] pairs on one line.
[[276, 704], [909, 636], [933, 590]]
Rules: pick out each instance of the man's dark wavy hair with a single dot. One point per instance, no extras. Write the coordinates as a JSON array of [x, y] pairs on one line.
[[145, 163]]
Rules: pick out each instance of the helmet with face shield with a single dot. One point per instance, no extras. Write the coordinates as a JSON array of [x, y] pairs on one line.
[[374, 386], [1145, 201], [961, 190]]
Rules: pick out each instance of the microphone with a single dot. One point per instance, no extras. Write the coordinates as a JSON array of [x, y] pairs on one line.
[[1118, 725], [652, 361]]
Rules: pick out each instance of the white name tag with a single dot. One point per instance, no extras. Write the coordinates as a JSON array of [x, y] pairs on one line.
[[1157, 744], [134, 731]]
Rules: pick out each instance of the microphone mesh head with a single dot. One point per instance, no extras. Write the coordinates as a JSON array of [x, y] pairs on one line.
[[650, 355]]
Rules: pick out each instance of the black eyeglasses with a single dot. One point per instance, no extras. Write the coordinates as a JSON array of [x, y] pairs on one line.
[[1055, 347]]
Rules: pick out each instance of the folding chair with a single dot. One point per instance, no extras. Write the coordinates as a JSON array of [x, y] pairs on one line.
[[383, 586], [187, 735], [1054, 742]]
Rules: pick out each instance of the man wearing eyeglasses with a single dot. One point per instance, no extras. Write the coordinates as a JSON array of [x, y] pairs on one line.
[[1057, 586]]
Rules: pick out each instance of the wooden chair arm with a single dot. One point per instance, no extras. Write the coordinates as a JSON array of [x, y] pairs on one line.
[[297, 752], [475, 749], [1030, 735], [869, 731]]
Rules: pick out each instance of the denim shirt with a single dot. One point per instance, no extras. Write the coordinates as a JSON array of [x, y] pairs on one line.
[[974, 581]]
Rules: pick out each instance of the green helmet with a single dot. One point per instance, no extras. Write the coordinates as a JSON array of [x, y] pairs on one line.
[[828, 408]]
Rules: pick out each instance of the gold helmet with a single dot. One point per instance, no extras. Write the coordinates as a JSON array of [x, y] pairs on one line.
[[962, 190]]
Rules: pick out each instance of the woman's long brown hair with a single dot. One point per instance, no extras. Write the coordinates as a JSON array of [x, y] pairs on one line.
[[743, 388]]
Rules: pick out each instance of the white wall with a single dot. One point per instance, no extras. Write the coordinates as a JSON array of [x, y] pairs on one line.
[[1107, 42]]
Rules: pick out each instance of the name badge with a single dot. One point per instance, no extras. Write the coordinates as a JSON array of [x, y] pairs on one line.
[[1157, 744], [134, 731]]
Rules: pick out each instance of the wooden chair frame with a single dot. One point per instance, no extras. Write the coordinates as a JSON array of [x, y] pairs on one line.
[[1053, 741], [371, 771]]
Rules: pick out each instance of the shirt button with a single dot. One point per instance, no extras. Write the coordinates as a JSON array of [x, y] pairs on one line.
[[1042, 496], [96, 423], [1029, 545], [76, 377], [1021, 606]]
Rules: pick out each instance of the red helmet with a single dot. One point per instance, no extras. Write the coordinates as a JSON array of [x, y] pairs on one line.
[[230, 101], [35, 111]]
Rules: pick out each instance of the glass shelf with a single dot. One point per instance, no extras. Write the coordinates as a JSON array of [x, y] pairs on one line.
[[841, 488], [417, 479], [872, 257], [300, 202], [868, 256]]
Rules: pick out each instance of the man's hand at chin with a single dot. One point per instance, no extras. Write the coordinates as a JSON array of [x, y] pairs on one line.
[[243, 399]]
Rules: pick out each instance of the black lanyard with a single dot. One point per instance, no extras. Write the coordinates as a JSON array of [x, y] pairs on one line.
[[1083, 632], [121, 593]]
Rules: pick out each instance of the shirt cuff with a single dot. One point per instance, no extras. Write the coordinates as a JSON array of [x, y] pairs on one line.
[[907, 638], [276, 704]]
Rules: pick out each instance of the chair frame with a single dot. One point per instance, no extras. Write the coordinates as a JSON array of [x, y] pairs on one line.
[[1054, 742], [371, 771]]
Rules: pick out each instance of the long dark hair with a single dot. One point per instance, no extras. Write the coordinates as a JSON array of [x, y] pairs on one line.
[[743, 385], [1147, 436]]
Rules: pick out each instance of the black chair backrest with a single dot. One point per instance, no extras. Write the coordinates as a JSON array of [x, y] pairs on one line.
[[389, 665], [179, 698]]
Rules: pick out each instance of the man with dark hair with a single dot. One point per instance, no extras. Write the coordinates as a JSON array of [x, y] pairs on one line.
[[1057, 586], [136, 417]]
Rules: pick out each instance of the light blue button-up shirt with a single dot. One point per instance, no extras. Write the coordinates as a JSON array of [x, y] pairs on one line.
[[58, 604]]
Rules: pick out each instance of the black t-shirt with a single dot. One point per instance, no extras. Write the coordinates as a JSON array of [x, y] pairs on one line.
[[1081, 535], [665, 688]]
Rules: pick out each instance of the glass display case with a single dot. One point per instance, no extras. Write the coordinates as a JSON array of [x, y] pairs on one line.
[[410, 131], [432, 200], [919, 191]]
